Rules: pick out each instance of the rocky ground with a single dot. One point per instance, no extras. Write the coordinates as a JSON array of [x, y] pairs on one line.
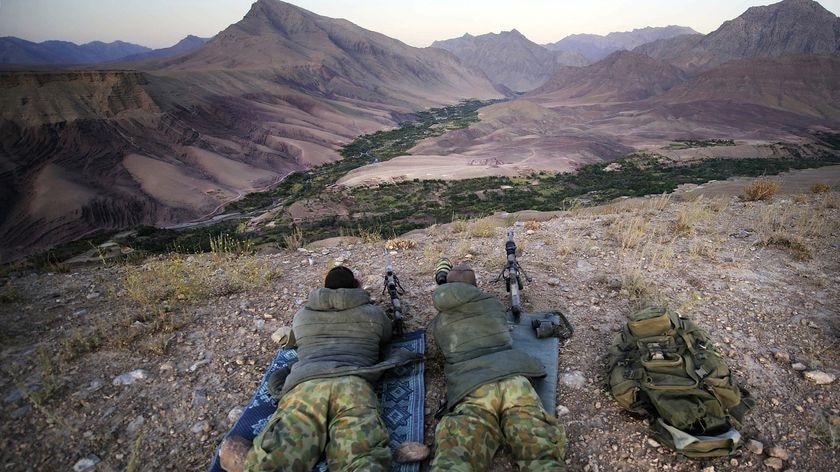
[[143, 366]]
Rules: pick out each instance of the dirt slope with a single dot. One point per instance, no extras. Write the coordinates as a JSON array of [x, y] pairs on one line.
[[67, 336]]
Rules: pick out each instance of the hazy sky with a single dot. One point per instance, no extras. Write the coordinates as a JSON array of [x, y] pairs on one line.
[[161, 23]]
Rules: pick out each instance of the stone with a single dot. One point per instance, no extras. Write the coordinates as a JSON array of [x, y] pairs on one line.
[[711, 468], [20, 412], [782, 356], [129, 378], [755, 447], [86, 463], [166, 367], [562, 411], [95, 385], [411, 452], [819, 377], [198, 364], [135, 425], [652, 443], [234, 414], [779, 452], [199, 397], [232, 453], [774, 463], [200, 427], [93, 295], [799, 366], [554, 281], [574, 379]]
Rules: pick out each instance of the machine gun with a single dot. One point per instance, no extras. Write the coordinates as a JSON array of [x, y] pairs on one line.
[[394, 288], [511, 274]]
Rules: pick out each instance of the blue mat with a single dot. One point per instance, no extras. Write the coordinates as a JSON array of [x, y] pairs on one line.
[[546, 350], [401, 392]]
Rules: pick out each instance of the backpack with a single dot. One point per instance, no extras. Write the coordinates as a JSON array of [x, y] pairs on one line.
[[664, 365]]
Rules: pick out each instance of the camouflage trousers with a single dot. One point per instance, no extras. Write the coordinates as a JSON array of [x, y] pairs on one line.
[[508, 410], [338, 416]]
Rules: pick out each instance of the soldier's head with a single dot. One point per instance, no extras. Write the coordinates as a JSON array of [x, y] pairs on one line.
[[340, 277], [461, 273]]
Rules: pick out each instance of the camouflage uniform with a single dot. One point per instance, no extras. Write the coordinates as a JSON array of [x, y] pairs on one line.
[[339, 415], [505, 411], [488, 391], [327, 403]]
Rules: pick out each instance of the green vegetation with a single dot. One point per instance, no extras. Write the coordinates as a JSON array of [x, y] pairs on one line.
[[367, 149], [699, 143]]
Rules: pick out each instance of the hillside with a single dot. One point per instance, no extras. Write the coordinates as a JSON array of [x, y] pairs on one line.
[[790, 27], [759, 276], [510, 59], [596, 47], [623, 76]]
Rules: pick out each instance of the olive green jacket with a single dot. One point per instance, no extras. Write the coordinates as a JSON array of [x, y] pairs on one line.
[[471, 331], [340, 332]]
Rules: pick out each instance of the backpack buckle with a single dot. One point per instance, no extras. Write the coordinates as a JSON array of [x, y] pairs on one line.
[[656, 352], [701, 372]]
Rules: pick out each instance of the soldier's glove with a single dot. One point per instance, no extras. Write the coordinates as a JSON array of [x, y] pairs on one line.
[[276, 381]]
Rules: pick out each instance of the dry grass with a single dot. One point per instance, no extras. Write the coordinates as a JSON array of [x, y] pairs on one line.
[[532, 225], [800, 198], [831, 202], [458, 226], [629, 232], [483, 228], [177, 279], [294, 240], [79, 344], [792, 244], [820, 187], [760, 189], [688, 215], [399, 244], [640, 292]]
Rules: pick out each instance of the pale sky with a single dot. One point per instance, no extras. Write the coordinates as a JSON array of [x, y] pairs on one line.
[[161, 23]]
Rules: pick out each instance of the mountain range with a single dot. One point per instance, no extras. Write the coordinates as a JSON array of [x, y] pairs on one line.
[[61, 53], [510, 59], [170, 139], [596, 47], [784, 28]]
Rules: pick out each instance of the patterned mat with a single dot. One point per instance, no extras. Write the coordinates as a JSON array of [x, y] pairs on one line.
[[400, 392]]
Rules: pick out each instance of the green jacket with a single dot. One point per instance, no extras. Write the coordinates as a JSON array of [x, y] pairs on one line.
[[471, 331], [340, 332]]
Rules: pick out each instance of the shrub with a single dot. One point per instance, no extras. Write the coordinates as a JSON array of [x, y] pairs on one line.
[[484, 228], [400, 244], [820, 187], [533, 225], [793, 244], [760, 189]]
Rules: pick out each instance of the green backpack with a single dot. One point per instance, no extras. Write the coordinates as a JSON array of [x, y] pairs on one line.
[[664, 365]]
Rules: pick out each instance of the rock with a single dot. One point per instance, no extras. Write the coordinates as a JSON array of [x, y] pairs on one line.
[[200, 427], [235, 413], [819, 377], [135, 425], [652, 443], [554, 281], [166, 367], [14, 396], [95, 385], [782, 356], [198, 364], [86, 463], [93, 295], [562, 411], [799, 366], [755, 447], [20, 412], [199, 397], [614, 283], [129, 378], [711, 468], [774, 463], [574, 379], [411, 452], [232, 453], [779, 452]]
